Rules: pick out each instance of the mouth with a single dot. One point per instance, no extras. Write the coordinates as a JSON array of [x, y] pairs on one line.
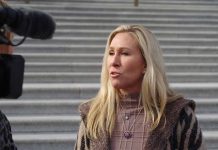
[[114, 74]]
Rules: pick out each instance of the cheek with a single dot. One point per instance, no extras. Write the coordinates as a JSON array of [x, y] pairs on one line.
[[134, 67], [108, 63], [135, 74]]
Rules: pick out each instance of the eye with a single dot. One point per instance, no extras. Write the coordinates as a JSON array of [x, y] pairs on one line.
[[111, 52], [125, 53]]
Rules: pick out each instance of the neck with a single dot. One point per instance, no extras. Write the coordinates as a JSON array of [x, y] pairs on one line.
[[134, 96], [124, 92]]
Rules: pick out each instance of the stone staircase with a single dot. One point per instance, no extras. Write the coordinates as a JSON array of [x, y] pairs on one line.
[[63, 72]]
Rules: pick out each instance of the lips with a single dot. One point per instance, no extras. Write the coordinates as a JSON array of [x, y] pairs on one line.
[[114, 74]]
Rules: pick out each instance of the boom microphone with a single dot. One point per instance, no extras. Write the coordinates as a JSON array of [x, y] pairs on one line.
[[28, 23]]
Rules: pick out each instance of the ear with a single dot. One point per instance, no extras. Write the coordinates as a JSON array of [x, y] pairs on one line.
[[144, 70]]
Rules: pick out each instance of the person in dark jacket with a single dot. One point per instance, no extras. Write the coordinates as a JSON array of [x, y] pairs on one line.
[[6, 140]]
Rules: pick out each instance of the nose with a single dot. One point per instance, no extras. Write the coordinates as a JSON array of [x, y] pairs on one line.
[[115, 60]]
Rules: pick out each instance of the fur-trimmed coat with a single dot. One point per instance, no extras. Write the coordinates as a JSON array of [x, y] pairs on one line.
[[181, 130]]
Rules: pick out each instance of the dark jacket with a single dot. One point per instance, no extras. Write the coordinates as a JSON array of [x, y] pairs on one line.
[[6, 140], [181, 130]]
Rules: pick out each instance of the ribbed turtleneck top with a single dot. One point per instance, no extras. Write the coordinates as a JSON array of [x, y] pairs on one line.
[[130, 131]]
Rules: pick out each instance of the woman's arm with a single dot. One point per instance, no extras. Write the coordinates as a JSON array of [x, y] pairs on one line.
[[187, 134]]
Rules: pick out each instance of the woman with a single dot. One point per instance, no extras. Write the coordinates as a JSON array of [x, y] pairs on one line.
[[135, 107]]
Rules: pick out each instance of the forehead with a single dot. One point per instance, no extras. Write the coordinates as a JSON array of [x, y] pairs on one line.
[[126, 39]]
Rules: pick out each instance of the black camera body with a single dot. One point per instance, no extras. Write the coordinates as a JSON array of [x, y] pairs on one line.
[[11, 75]]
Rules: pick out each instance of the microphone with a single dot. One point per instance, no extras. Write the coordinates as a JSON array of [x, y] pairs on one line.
[[28, 23]]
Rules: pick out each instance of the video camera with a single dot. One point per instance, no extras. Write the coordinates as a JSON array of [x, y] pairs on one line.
[[26, 23]]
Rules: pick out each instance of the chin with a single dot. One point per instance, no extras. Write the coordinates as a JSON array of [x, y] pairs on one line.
[[117, 85]]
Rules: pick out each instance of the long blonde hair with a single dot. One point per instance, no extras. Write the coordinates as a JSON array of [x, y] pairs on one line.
[[155, 91]]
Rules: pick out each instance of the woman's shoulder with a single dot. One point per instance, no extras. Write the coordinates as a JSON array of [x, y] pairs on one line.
[[85, 107], [179, 104], [174, 110]]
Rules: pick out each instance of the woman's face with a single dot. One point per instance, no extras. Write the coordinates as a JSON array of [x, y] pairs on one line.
[[125, 63]]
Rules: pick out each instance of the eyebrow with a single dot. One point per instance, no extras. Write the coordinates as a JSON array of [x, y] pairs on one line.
[[120, 48]]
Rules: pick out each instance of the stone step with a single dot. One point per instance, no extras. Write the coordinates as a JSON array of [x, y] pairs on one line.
[[159, 33], [131, 12], [192, 77], [206, 105], [57, 141], [49, 107], [42, 107], [63, 57], [59, 91], [136, 20], [208, 121], [46, 123], [84, 91], [152, 26], [211, 139], [63, 25], [135, 13], [75, 49], [91, 77], [63, 77], [196, 90], [45, 141], [96, 67], [90, 57]]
